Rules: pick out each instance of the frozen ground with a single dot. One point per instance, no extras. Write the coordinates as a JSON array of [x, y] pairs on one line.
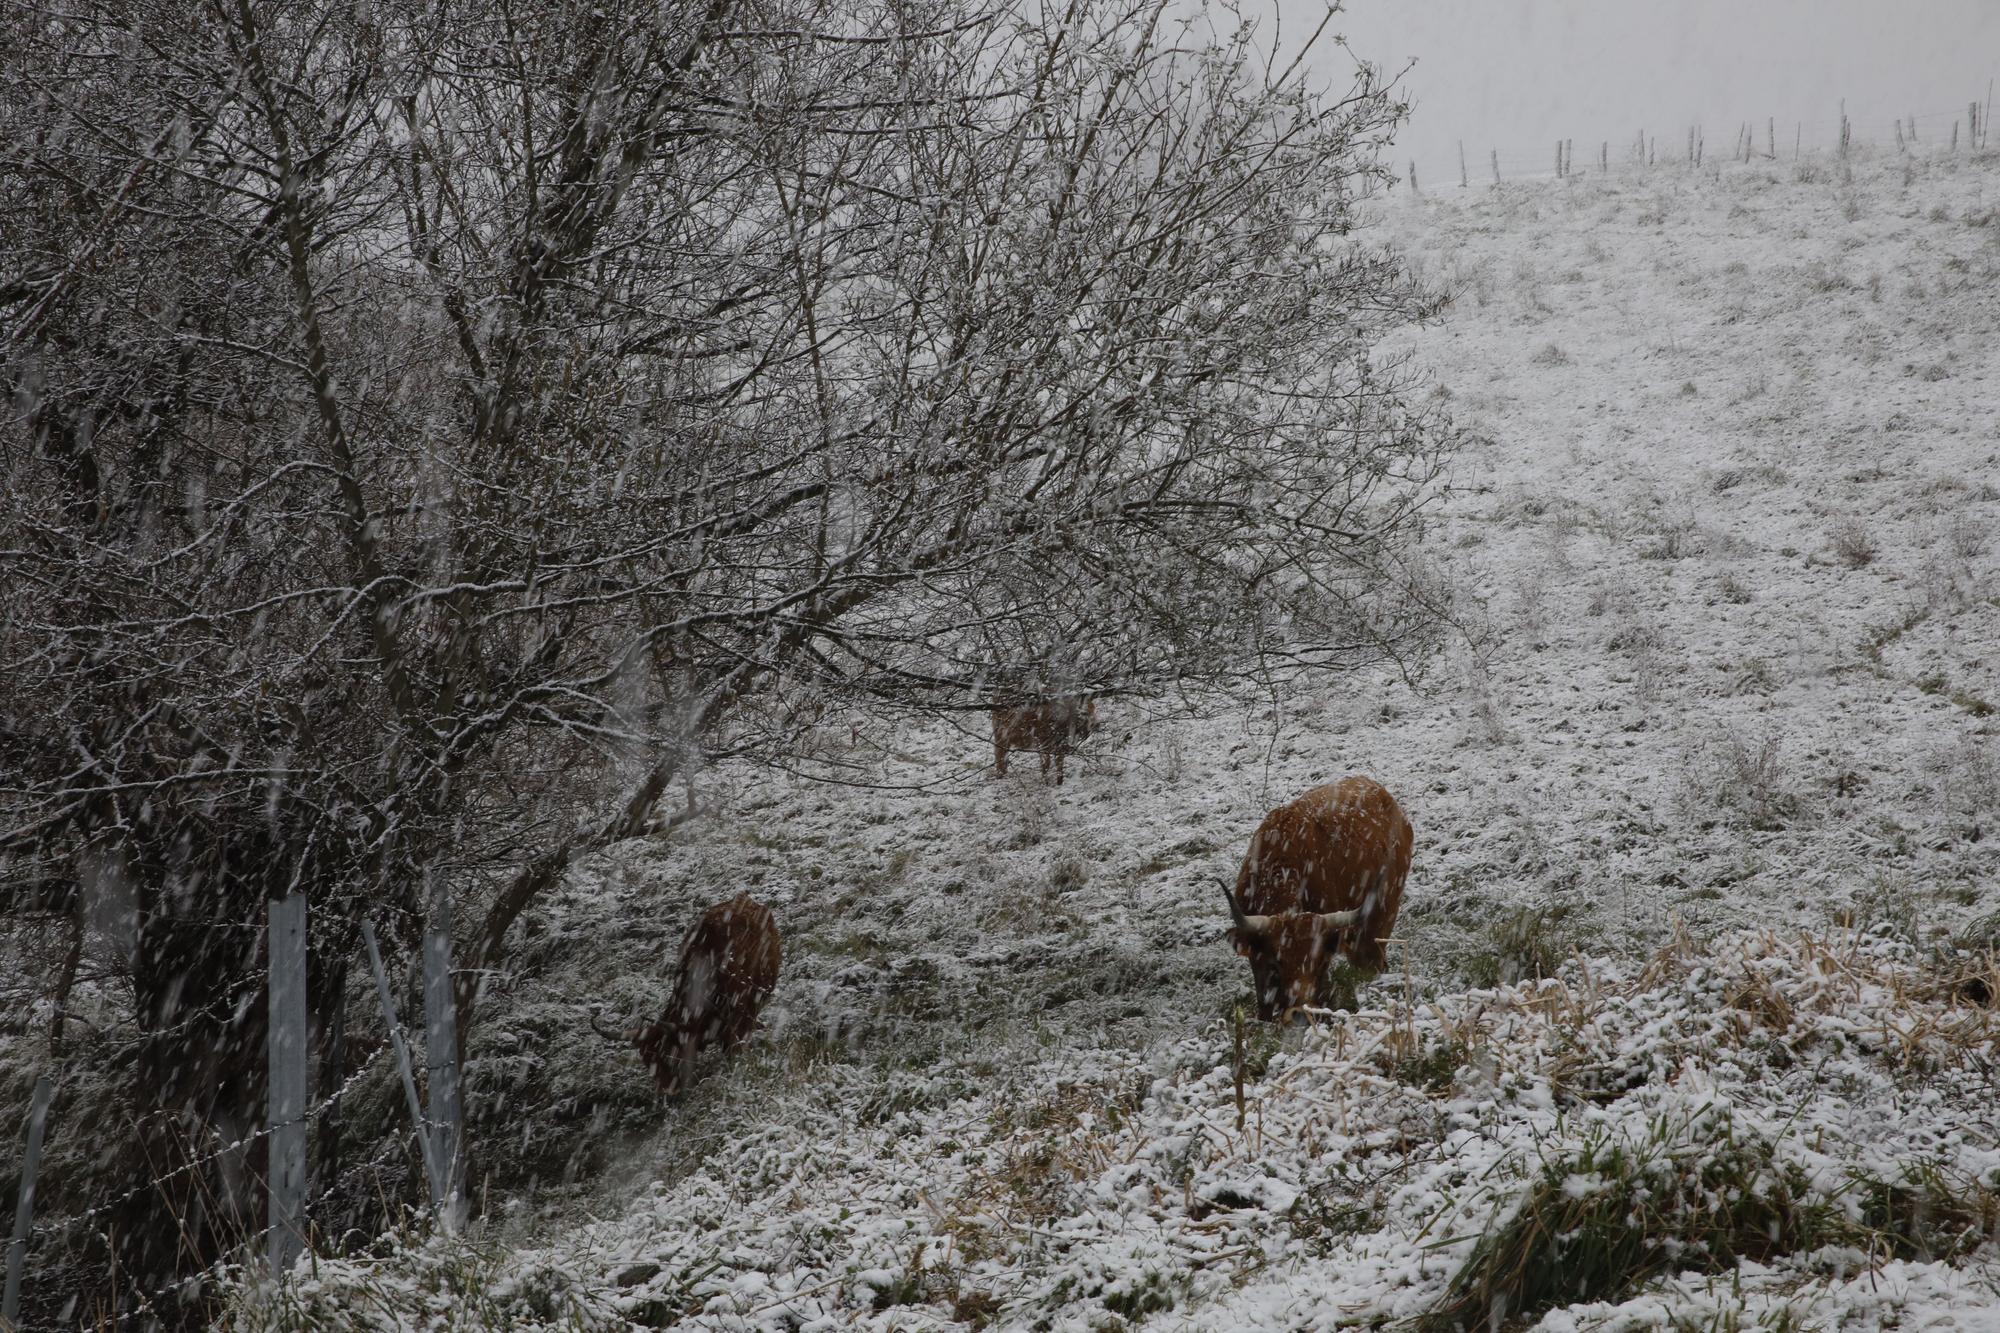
[[1726, 663]]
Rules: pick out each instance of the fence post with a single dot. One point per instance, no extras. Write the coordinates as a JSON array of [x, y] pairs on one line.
[[24, 1203], [1771, 137], [286, 950], [1496, 168], [424, 1144], [1462, 181], [441, 1048]]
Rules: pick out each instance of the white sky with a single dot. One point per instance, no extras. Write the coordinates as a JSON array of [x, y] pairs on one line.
[[1518, 74]]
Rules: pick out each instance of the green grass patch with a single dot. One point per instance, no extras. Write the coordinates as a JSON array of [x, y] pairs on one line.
[[1695, 1193]]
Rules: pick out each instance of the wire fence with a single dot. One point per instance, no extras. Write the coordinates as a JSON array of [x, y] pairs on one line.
[[223, 1269], [290, 1196], [47, 1230], [227, 1270], [1782, 139]]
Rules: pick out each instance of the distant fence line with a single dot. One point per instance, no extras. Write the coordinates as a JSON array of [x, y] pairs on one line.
[[1963, 129]]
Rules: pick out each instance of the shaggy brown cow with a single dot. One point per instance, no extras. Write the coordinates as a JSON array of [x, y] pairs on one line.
[[1324, 877], [729, 966], [1052, 729]]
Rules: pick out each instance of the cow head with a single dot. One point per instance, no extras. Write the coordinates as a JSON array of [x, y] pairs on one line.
[[1288, 952], [669, 1050], [669, 1046]]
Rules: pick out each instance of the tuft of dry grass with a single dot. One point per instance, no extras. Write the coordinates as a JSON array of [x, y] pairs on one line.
[[1851, 542]]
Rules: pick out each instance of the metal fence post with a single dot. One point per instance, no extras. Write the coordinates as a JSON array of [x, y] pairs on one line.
[[24, 1202], [441, 1058], [287, 1052], [424, 1145]]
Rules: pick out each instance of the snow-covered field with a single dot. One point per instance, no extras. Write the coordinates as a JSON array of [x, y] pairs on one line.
[[1704, 788]]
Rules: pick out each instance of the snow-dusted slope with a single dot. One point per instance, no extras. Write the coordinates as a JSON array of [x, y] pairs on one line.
[[1761, 1129], [1726, 553]]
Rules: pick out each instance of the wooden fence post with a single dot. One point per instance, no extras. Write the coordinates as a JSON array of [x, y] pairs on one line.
[[1463, 183], [1496, 168], [441, 1051], [24, 1203], [286, 952], [424, 1144]]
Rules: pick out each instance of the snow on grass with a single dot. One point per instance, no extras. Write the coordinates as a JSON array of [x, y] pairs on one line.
[[1724, 552], [1794, 1120]]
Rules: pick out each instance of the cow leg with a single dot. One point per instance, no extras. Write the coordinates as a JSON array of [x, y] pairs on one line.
[[742, 1022], [1059, 768], [999, 759]]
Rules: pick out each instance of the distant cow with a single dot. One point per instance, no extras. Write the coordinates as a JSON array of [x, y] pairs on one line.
[[729, 966], [1052, 729], [1324, 877]]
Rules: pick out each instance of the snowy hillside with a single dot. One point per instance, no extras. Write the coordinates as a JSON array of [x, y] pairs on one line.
[[1699, 930]]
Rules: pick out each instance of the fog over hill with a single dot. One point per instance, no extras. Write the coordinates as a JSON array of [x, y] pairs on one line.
[[1516, 75]]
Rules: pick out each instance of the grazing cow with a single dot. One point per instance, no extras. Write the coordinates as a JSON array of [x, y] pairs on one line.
[[1052, 729], [1324, 877], [729, 965]]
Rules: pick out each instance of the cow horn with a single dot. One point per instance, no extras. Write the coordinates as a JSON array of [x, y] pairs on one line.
[[1333, 920], [621, 1038], [1236, 911]]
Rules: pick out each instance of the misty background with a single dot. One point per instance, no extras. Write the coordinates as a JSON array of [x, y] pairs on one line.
[[1516, 75]]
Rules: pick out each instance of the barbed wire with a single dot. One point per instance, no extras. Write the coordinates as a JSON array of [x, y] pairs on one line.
[[47, 1229], [224, 1270]]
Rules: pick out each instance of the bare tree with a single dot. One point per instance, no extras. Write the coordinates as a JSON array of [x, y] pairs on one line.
[[432, 425]]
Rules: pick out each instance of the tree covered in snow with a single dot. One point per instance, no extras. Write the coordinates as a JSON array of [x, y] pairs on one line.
[[436, 429]]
